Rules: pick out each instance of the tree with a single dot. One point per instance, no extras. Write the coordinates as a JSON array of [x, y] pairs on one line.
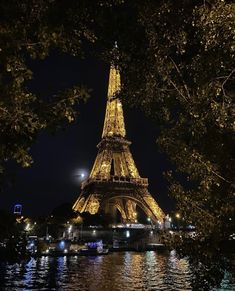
[[179, 70], [29, 30], [32, 30], [63, 213], [8, 225], [101, 219]]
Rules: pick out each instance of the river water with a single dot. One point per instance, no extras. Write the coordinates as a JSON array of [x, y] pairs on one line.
[[116, 271]]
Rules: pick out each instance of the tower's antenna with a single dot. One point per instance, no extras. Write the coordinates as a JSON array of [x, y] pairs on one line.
[[115, 54]]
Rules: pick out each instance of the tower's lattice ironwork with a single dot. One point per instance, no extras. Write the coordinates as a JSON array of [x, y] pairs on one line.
[[114, 183]]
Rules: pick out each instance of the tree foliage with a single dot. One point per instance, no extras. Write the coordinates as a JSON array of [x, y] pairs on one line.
[[182, 74], [7, 225], [184, 80], [29, 30]]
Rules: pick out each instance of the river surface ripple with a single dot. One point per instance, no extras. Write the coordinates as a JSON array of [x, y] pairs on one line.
[[116, 271]]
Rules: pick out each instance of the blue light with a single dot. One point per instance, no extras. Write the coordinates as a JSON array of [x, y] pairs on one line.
[[62, 244], [18, 209]]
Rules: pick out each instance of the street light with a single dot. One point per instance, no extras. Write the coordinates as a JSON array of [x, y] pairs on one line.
[[178, 220], [150, 220], [27, 227], [69, 228], [177, 215]]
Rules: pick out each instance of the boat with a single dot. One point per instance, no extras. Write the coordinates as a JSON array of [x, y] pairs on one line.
[[93, 249]]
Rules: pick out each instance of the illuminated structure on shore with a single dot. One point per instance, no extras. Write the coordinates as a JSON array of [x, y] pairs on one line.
[[114, 183]]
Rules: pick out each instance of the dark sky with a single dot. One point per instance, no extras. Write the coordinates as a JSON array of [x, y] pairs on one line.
[[57, 158]]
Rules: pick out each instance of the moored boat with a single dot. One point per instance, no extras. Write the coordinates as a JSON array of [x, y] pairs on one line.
[[94, 249]]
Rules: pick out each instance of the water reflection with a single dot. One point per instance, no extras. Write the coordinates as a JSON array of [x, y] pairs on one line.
[[178, 275], [29, 273], [117, 271]]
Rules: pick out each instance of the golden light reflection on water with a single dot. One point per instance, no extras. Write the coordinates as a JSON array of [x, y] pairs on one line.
[[116, 271]]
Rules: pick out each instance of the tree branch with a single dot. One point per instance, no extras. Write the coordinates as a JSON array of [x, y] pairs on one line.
[[4, 110], [216, 174], [225, 81], [178, 70], [178, 90]]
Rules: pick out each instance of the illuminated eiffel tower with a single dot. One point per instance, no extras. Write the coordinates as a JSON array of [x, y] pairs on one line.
[[114, 183]]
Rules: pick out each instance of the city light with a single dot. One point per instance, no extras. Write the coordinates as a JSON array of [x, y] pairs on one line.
[[18, 209], [177, 215], [62, 244], [70, 228], [27, 227]]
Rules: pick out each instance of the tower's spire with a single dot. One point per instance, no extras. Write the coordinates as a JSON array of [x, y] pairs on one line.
[[114, 85], [114, 121]]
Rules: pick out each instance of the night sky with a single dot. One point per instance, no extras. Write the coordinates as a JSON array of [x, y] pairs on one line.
[[58, 158]]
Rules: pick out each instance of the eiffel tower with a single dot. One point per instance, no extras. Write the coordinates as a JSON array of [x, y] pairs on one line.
[[114, 183]]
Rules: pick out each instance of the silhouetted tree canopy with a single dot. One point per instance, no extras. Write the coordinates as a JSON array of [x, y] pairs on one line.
[[63, 212], [101, 219]]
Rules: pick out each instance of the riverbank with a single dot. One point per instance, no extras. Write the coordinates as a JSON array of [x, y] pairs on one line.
[[75, 251]]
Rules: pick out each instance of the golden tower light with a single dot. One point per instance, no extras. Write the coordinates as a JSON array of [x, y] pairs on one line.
[[114, 182]]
